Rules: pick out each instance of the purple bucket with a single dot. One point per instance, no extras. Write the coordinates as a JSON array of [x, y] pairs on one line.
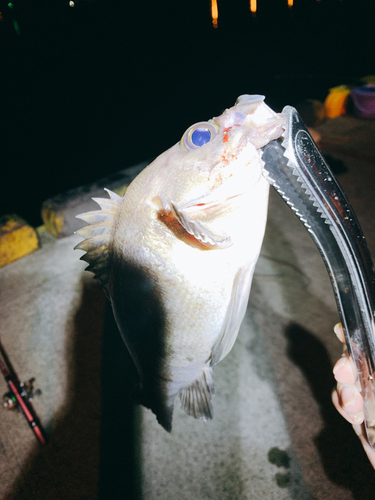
[[364, 101]]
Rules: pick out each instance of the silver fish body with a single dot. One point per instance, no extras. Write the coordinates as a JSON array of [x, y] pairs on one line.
[[177, 254]]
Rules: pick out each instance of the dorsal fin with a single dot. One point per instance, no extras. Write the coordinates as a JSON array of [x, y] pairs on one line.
[[97, 236]]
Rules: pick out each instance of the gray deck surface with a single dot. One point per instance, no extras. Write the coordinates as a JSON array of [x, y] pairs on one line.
[[275, 434]]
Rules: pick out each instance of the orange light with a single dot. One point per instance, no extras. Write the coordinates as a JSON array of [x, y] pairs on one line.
[[290, 4], [214, 13], [253, 6]]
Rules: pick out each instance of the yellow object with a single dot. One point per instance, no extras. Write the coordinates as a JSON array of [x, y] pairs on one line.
[[121, 190], [53, 221], [214, 13], [17, 239], [368, 79], [336, 101], [253, 6]]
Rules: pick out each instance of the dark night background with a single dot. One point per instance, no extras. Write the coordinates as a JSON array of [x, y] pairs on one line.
[[89, 90]]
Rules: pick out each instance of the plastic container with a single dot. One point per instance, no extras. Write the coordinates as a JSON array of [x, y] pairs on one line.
[[364, 100]]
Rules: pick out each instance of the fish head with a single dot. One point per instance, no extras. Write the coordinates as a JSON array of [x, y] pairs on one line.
[[222, 155]]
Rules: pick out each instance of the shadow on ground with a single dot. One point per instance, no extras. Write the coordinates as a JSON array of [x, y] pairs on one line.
[[90, 453], [120, 476], [341, 453]]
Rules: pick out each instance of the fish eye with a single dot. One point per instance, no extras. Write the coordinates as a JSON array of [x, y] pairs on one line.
[[198, 135]]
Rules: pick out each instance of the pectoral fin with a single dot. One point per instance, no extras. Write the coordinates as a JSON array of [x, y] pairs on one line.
[[196, 229], [235, 314]]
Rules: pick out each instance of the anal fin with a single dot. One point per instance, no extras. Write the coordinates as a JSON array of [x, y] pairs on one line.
[[196, 398]]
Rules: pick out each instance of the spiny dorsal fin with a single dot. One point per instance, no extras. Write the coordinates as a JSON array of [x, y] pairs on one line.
[[196, 398], [97, 236]]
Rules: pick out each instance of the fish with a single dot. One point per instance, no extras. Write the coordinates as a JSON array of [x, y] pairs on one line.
[[176, 254]]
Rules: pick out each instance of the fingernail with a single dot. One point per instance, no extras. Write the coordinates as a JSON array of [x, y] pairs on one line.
[[348, 395], [358, 418], [337, 328]]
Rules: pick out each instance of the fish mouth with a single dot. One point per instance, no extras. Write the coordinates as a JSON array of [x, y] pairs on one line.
[[262, 124], [251, 102]]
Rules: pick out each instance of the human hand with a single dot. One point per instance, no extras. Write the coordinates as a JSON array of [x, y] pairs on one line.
[[346, 398]]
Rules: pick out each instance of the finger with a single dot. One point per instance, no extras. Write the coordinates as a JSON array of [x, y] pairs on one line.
[[356, 418], [359, 430], [350, 399], [346, 400], [344, 371], [339, 332]]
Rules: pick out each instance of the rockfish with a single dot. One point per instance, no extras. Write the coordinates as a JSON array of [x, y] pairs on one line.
[[176, 254]]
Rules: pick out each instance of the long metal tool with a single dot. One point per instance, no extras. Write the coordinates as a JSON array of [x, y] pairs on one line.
[[299, 173]]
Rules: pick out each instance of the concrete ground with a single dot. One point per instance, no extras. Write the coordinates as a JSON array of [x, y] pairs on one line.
[[275, 434]]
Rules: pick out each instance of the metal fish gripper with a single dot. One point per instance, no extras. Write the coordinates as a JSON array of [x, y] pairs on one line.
[[295, 167]]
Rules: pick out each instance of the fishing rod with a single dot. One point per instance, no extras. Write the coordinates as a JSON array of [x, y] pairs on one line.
[[19, 397]]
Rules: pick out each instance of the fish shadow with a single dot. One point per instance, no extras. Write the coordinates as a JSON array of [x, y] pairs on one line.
[[141, 318], [93, 437], [341, 453], [120, 468], [67, 467]]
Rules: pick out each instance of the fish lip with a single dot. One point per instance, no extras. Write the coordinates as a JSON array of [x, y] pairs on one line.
[[251, 110], [249, 98]]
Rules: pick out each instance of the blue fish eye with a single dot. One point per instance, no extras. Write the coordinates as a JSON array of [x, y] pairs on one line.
[[198, 135]]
